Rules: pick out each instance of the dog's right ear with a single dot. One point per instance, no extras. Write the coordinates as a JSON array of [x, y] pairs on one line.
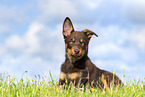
[[67, 27]]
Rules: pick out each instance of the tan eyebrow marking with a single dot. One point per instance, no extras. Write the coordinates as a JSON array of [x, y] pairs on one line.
[[73, 39], [81, 40]]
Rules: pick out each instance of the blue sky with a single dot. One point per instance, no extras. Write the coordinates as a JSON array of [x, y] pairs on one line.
[[31, 35]]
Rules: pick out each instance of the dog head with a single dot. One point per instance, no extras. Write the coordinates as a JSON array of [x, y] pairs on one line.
[[76, 41]]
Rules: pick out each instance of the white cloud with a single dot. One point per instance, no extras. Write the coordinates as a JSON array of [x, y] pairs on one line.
[[11, 15], [134, 10], [55, 10], [27, 42], [112, 49], [4, 30], [128, 68], [38, 48], [121, 13], [31, 38], [14, 42], [92, 4], [137, 37]]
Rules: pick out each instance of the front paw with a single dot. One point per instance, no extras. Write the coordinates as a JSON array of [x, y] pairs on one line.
[[61, 82]]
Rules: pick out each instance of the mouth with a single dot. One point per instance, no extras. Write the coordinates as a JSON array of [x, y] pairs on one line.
[[75, 55]]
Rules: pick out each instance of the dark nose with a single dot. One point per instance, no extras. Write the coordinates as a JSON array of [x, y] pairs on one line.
[[76, 51]]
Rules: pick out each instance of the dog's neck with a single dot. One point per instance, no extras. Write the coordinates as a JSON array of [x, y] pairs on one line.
[[80, 64]]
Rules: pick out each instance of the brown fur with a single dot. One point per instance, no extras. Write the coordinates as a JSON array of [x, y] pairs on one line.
[[77, 67]]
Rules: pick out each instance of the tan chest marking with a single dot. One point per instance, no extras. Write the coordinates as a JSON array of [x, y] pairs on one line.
[[62, 75], [74, 75]]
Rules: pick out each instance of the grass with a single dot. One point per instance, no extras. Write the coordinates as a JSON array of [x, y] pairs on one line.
[[43, 87]]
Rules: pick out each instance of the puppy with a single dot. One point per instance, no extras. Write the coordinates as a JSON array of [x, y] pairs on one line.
[[78, 68]]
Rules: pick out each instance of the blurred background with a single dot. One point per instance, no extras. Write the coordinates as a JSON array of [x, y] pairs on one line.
[[31, 35]]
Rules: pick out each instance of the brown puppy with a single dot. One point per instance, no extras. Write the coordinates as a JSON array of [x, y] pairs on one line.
[[78, 68]]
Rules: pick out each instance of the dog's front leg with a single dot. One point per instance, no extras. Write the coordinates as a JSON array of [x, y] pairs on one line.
[[62, 78]]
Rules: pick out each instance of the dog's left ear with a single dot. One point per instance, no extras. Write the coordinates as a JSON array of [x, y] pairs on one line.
[[89, 33]]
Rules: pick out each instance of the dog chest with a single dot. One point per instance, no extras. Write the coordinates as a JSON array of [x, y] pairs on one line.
[[81, 74]]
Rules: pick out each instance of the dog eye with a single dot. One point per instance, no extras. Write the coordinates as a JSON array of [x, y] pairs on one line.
[[83, 43], [71, 42]]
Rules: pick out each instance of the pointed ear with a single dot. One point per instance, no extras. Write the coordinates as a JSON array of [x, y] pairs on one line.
[[89, 33], [67, 27]]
